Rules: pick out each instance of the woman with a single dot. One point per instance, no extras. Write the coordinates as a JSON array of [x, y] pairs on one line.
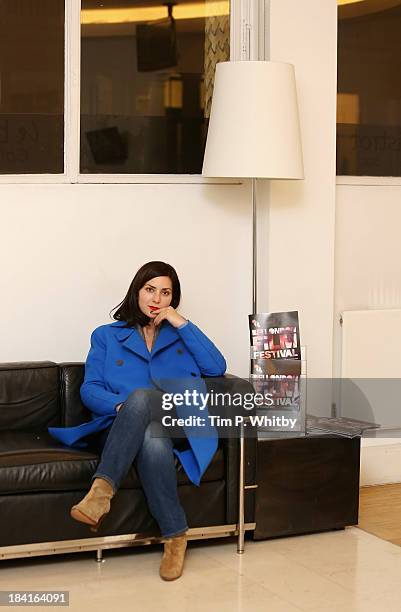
[[148, 350]]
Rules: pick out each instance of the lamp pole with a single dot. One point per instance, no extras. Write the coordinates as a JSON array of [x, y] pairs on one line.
[[254, 249], [253, 133]]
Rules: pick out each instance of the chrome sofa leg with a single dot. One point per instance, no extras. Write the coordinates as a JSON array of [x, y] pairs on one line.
[[99, 555]]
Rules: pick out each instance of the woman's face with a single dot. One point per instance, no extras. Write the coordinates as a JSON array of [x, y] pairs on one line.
[[156, 293]]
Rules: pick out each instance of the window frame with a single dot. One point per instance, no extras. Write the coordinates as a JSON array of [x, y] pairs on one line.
[[369, 181], [248, 35]]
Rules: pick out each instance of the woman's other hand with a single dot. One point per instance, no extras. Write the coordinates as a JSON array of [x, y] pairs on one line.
[[170, 314]]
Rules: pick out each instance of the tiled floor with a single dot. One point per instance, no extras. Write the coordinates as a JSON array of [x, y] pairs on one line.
[[339, 571]]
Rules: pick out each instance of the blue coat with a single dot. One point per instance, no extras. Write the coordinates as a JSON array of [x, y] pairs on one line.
[[119, 362]]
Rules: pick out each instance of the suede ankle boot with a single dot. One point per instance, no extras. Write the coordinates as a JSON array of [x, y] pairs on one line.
[[172, 562], [95, 505]]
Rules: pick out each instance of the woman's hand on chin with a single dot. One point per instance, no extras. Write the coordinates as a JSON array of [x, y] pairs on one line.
[[171, 315]]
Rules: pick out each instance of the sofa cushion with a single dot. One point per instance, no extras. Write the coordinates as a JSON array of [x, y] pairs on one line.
[[34, 461], [29, 395]]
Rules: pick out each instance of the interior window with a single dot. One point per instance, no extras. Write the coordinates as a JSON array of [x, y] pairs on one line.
[[147, 72], [31, 86], [369, 88]]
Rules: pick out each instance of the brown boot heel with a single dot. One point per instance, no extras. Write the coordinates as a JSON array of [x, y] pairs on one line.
[[172, 563], [95, 506]]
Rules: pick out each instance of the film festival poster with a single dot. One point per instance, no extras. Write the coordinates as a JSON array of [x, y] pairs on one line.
[[275, 335], [276, 358], [280, 379]]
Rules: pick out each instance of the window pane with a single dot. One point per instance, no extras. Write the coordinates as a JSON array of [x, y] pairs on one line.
[[369, 88], [147, 74], [31, 86]]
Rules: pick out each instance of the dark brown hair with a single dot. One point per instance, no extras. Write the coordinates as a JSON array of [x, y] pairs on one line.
[[128, 309]]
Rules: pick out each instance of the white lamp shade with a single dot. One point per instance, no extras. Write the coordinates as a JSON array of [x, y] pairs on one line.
[[254, 124]]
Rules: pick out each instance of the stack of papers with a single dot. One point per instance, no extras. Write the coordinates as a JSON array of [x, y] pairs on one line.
[[340, 426]]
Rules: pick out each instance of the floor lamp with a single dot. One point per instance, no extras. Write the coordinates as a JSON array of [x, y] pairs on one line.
[[254, 130], [253, 133]]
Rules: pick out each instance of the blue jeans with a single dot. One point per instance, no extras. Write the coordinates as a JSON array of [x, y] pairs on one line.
[[134, 435]]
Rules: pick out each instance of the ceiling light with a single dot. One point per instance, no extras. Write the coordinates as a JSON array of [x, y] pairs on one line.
[[341, 2], [193, 10]]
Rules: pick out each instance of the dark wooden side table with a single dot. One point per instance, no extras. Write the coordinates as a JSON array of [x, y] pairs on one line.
[[306, 484]]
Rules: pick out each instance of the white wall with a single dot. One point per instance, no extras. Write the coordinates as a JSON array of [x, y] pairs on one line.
[[368, 258], [368, 274], [302, 213], [69, 253], [329, 249]]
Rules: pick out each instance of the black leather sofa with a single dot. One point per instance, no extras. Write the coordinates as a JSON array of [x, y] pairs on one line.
[[40, 479]]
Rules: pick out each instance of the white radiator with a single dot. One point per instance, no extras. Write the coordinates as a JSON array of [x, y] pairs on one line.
[[371, 344], [371, 352]]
